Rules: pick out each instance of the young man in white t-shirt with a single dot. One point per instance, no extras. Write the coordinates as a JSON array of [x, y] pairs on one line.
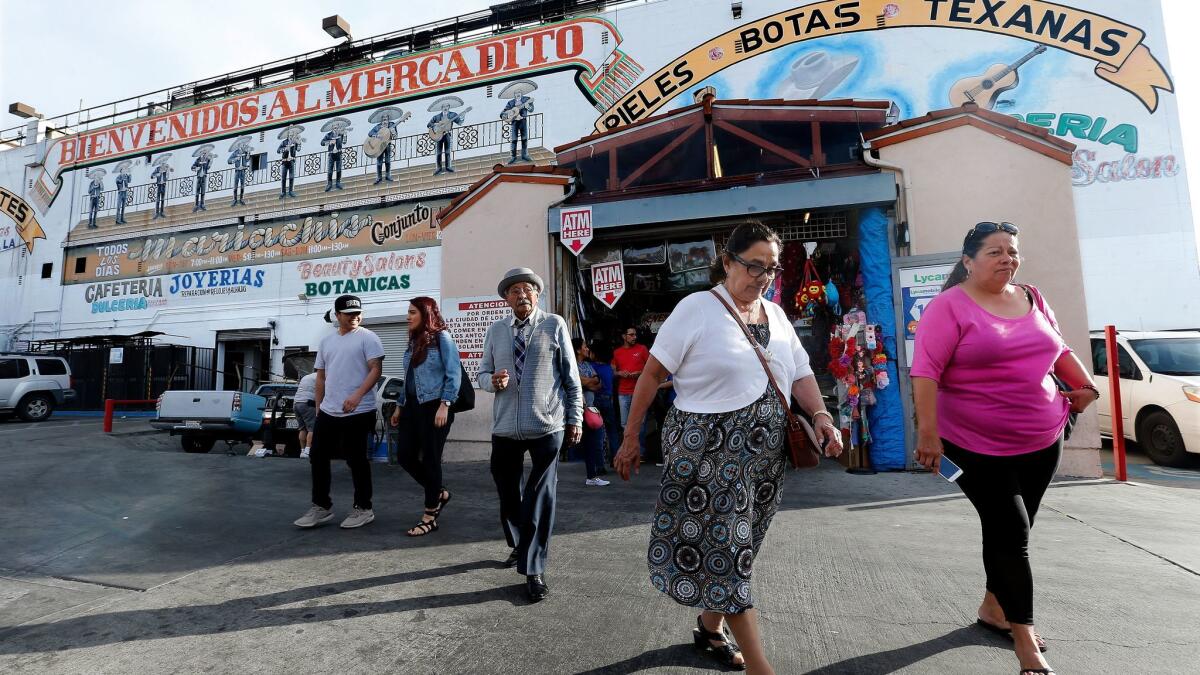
[[349, 363]]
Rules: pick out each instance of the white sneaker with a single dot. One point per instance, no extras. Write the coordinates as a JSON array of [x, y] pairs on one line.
[[357, 518], [595, 482], [304, 453], [315, 516]]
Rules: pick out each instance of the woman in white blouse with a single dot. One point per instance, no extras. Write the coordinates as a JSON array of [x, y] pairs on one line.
[[723, 443]]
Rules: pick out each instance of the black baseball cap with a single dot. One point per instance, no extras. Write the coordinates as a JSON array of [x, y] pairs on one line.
[[348, 304]]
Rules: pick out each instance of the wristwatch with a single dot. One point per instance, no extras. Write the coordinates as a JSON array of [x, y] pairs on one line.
[[448, 403]]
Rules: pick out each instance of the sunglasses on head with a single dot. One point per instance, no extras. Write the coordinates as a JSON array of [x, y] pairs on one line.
[[988, 227]]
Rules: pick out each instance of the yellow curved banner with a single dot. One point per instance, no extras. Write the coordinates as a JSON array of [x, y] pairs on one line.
[[21, 212], [1117, 47]]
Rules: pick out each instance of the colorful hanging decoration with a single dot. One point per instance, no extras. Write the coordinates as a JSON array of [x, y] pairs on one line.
[[812, 291], [858, 362]]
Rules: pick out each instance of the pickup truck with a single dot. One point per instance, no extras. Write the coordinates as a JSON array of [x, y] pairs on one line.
[[201, 418]]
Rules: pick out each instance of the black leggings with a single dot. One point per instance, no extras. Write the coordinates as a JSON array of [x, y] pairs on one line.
[[419, 447], [1006, 491]]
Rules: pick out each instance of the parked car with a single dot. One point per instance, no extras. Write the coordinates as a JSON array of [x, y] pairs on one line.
[[280, 406], [201, 418], [1160, 391], [33, 385]]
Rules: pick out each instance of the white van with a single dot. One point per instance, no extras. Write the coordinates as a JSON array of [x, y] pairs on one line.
[[1160, 391]]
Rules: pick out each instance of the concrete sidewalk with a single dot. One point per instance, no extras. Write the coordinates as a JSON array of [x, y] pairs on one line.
[[131, 557]]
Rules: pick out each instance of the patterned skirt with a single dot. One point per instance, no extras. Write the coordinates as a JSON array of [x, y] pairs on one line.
[[720, 490]]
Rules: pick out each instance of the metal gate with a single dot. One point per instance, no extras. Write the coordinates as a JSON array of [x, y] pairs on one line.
[[394, 337]]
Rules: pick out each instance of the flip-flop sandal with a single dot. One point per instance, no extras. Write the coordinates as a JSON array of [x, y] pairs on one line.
[[1007, 632]]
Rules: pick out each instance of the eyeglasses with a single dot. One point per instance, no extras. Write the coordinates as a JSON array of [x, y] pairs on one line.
[[521, 290], [987, 227], [755, 270]]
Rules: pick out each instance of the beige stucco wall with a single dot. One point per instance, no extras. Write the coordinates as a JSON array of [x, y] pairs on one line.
[[505, 228], [961, 176]]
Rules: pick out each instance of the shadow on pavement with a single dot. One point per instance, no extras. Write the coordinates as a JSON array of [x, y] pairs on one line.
[[247, 613], [892, 660], [676, 656]]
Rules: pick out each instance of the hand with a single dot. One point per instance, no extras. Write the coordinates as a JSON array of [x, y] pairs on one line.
[[929, 451], [500, 380], [441, 416], [351, 403], [396, 417], [829, 436], [1080, 399], [574, 434], [628, 457]]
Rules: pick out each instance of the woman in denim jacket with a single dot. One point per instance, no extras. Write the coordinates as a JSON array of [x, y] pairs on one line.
[[432, 374]]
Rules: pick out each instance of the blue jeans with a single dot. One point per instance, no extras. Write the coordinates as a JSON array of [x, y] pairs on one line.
[[612, 424], [625, 400], [593, 451]]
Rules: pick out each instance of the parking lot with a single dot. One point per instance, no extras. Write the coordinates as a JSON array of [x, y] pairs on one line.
[[124, 554]]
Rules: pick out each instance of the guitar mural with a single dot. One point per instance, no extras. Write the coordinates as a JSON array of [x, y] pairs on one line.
[[985, 90]]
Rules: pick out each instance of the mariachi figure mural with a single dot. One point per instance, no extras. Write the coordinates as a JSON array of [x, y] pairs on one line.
[[201, 166], [161, 174], [441, 129], [240, 159], [123, 180], [381, 140], [95, 190], [289, 150], [516, 114], [333, 141]]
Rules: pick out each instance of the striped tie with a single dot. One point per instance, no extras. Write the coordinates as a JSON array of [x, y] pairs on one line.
[[519, 350]]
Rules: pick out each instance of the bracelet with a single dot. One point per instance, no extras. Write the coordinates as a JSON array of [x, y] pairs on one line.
[[822, 412], [1091, 387]]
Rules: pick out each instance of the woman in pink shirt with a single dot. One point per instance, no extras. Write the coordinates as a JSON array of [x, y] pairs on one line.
[[985, 398]]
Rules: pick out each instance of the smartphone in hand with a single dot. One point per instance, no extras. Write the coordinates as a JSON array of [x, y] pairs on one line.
[[949, 470]]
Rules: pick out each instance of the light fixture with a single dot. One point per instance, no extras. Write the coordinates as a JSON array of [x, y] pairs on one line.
[[24, 110], [736, 8], [302, 297], [807, 216], [336, 26]]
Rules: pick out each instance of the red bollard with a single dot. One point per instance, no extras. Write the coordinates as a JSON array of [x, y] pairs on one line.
[[1114, 392], [109, 406]]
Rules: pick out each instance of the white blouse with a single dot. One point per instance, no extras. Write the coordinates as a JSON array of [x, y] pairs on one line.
[[715, 369]]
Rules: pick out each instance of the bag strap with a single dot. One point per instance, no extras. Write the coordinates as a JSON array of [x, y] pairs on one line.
[[783, 400]]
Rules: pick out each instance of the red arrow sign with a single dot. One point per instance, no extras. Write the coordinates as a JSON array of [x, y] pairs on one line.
[[575, 228], [576, 246]]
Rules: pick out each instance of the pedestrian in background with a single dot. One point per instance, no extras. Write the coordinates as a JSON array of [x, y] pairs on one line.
[[724, 442], [528, 363], [349, 362], [593, 439], [432, 375], [604, 401], [628, 361], [305, 405], [986, 351]]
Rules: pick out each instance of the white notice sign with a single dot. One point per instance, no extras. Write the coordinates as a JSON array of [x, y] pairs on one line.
[[608, 282], [575, 228], [468, 320]]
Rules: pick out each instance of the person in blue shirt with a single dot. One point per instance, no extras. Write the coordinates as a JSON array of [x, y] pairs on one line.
[[604, 400]]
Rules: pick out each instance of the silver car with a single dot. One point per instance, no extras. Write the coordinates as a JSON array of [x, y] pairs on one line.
[[33, 385]]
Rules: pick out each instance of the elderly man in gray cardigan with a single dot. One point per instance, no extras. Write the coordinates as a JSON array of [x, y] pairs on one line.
[[529, 364]]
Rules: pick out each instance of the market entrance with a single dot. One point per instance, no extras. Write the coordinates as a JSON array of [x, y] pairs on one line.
[[656, 202]]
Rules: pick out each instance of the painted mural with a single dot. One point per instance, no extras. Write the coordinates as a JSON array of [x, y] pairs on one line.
[[424, 125]]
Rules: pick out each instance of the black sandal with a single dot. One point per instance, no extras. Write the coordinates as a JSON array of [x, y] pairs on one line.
[[425, 526], [1037, 671], [443, 502], [724, 652], [1007, 632]]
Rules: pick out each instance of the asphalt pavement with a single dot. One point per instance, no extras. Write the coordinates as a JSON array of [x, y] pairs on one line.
[[122, 554]]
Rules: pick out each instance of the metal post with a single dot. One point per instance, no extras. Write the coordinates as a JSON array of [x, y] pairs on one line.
[[1114, 392], [109, 406]]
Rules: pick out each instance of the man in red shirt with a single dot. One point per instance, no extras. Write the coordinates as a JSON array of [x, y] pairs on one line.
[[628, 362]]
